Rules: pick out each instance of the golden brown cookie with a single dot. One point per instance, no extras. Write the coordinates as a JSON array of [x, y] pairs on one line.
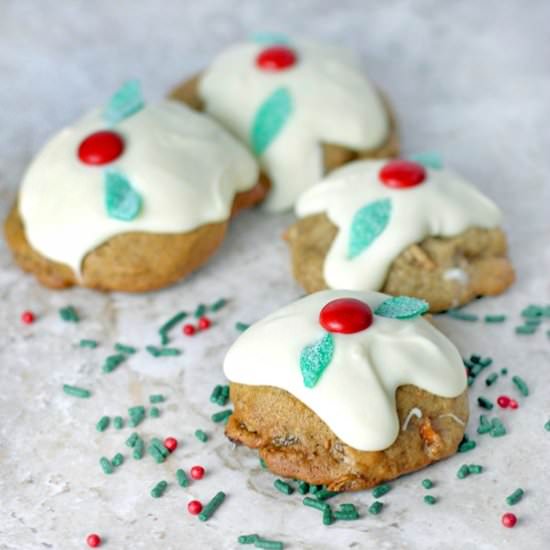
[[295, 443]]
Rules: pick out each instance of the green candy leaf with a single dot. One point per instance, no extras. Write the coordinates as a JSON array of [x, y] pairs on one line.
[[122, 201], [428, 159], [315, 358], [270, 119], [269, 38], [126, 101], [402, 307], [367, 224]]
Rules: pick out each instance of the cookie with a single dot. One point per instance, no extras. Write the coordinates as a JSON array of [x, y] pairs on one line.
[[303, 109], [347, 389], [401, 228], [132, 197]]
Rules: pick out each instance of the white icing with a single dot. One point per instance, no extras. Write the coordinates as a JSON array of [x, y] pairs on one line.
[[355, 395], [413, 412], [456, 274], [185, 166], [454, 417], [333, 100], [443, 205]]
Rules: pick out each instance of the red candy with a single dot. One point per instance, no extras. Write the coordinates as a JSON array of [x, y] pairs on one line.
[[194, 507], [503, 401], [171, 444], [509, 519], [345, 315], [101, 148], [276, 58], [27, 317], [189, 330], [197, 472], [513, 404], [400, 174], [93, 540], [204, 323]]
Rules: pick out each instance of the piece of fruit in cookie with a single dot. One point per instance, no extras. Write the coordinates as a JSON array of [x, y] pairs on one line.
[[131, 197], [303, 108], [401, 228], [347, 389]]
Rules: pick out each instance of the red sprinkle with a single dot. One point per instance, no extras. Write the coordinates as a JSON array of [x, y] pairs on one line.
[[171, 443], [194, 507], [276, 58], [345, 315], [204, 323], [197, 472], [101, 148], [400, 174], [503, 401], [28, 317], [189, 329], [513, 404], [93, 540], [509, 519]]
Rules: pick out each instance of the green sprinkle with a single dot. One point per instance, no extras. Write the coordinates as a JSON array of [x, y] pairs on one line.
[[532, 311], [164, 339], [474, 358], [139, 449], [520, 385], [429, 499], [247, 539], [491, 379], [201, 436], [381, 490], [325, 494], [466, 446], [69, 314], [263, 465], [283, 487], [497, 428], [485, 362], [88, 344], [316, 488], [212, 506], [75, 391], [461, 315], [156, 398], [216, 392], [154, 412], [181, 476], [112, 362], [427, 483], [484, 425], [158, 490], [376, 507], [200, 311], [515, 497], [102, 424], [504, 371], [475, 468], [118, 422], [476, 369], [157, 450], [348, 507], [223, 396], [533, 322], [106, 465], [118, 459], [241, 327], [463, 472], [547, 426], [218, 304], [221, 416], [471, 380], [526, 329], [172, 322], [303, 488], [314, 503], [163, 352], [484, 403], [131, 441], [129, 350], [268, 544], [495, 318], [137, 414], [153, 350], [346, 515], [328, 517]]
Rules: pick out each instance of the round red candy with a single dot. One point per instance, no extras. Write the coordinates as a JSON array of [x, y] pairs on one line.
[[27, 317], [204, 323], [345, 315], [101, 148], [509, 519], [93, 540], [513, 404], [197, 472], [188, 329], [171, 443], [400, 174], [276, 58], [503, 401], [194, 507]]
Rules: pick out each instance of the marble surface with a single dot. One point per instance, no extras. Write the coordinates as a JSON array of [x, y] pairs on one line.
[[468, 79]]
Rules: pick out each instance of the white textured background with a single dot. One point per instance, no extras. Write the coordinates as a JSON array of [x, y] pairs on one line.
[[468, 79]]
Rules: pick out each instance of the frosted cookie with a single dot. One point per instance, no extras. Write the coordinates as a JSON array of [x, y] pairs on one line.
[[347, 389], [303, 108], [401, 228], [131, 197]]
